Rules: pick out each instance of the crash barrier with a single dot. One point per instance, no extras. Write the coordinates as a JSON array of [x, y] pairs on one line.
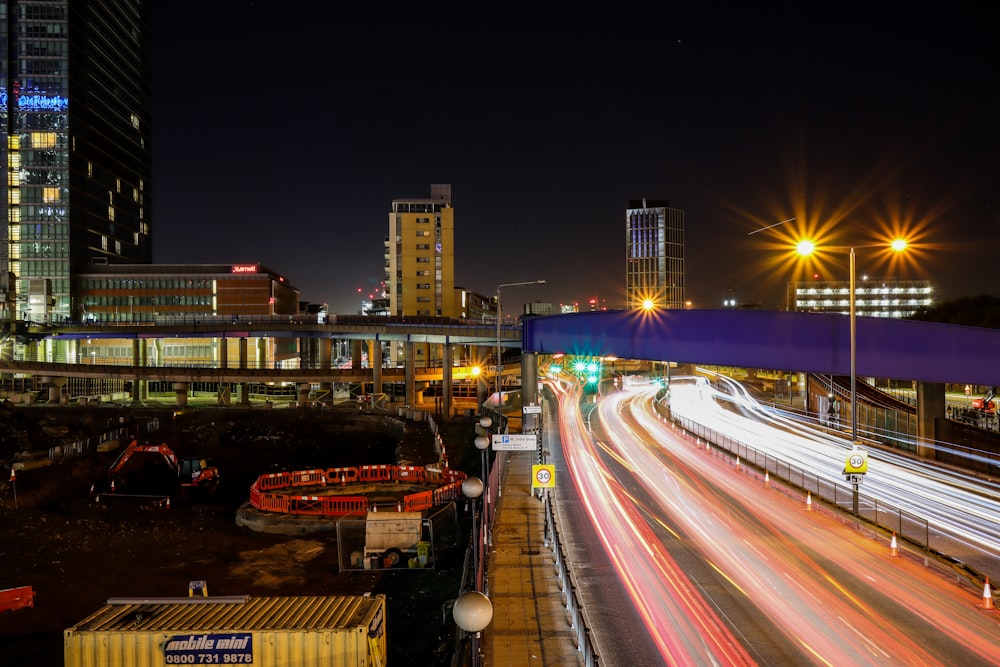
[[270, 492], [577, 612], [931, 536]]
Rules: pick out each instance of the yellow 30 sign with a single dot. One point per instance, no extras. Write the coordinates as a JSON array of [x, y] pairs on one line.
[[543, 476], [856, 463]]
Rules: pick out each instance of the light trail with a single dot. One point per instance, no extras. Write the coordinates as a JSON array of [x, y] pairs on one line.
[[833, 593]]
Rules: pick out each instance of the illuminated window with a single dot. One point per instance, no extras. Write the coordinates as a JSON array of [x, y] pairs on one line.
[[43, 139], [50, 195]]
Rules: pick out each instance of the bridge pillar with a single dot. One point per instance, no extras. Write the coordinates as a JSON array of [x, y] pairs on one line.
[[376, 366], [243, 352], [181, 393], [529, 389], [223, 352], [139, 358], [930, 407], [56, 384], [244, 394], [356, 356], [326, 362], [446, 382], [304, 389], [410, 374]]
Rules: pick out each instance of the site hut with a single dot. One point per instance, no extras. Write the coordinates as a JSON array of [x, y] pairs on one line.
[[339, 631]]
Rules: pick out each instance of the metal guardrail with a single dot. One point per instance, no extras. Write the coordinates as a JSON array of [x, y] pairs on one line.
[[577, 614]]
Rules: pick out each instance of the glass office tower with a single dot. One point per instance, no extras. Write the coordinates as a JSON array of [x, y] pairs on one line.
[[75, 106], [654, 254]]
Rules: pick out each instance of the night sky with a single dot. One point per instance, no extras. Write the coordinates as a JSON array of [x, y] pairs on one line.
[[283, 130]]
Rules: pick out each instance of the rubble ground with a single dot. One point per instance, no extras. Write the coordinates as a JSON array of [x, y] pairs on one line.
[[76, 552]]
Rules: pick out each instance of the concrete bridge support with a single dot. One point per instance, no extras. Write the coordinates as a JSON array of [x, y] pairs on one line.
[[529, 390], [304, 389], [410, 374], [56, 384], [325, 362], [223, 352], [930, 407], [447, 392], [140, 388], [376, 365], [181, 394]]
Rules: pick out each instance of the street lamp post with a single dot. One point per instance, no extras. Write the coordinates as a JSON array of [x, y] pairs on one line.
[[472, 488], [499, 358], [853, 316], [482, 443]]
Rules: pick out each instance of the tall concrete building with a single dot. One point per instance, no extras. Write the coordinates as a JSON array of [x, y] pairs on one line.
[[75, 103], [420, 256], [654, 254]]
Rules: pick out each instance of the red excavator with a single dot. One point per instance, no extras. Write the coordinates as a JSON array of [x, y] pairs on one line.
[[163, 473], [986, 402]]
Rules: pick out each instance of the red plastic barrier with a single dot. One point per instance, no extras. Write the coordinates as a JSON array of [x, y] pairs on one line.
[[341, 475], [307, 478], [12, 599], [263, 498]]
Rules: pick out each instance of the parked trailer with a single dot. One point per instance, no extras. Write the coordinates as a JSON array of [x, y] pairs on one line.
[[339, 631]]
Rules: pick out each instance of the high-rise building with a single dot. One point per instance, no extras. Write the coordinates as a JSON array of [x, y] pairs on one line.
[[75, 103], [420, 256], [654, 255]]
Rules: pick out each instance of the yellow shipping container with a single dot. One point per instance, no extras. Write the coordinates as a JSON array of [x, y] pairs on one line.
[[338, 631]]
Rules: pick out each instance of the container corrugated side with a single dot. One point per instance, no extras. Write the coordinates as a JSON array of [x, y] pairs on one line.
[[363, 645]]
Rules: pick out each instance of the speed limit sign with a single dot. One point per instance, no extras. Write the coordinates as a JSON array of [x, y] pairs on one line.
[[543, 476]]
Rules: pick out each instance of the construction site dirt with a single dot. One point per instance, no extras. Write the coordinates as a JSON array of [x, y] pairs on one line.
[[76, 552]]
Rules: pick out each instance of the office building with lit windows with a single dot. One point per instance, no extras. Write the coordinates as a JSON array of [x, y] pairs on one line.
[[872, 298], [420, 256], [654, 255], [75, 102]]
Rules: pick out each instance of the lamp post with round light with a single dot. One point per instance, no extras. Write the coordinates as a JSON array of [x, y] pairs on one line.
[[472, 612], [472, 488], [482, 443]]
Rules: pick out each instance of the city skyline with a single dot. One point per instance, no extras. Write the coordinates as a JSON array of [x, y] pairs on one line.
[[547, 127]]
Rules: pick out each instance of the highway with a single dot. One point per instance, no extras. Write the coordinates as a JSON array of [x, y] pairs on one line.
[[722, 569], [957, 512]]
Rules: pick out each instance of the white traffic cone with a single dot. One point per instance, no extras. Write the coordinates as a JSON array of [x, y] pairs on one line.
[[987, 602], [737, 463], [893, 547], [767, 480], [809, 501]]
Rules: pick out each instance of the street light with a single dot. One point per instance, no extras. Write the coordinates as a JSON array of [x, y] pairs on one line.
[[472, 612], [499, 359], [806, 248], [472, 488]]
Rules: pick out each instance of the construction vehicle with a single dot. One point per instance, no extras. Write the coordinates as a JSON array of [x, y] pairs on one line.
[[162, 474], [986, 402]]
